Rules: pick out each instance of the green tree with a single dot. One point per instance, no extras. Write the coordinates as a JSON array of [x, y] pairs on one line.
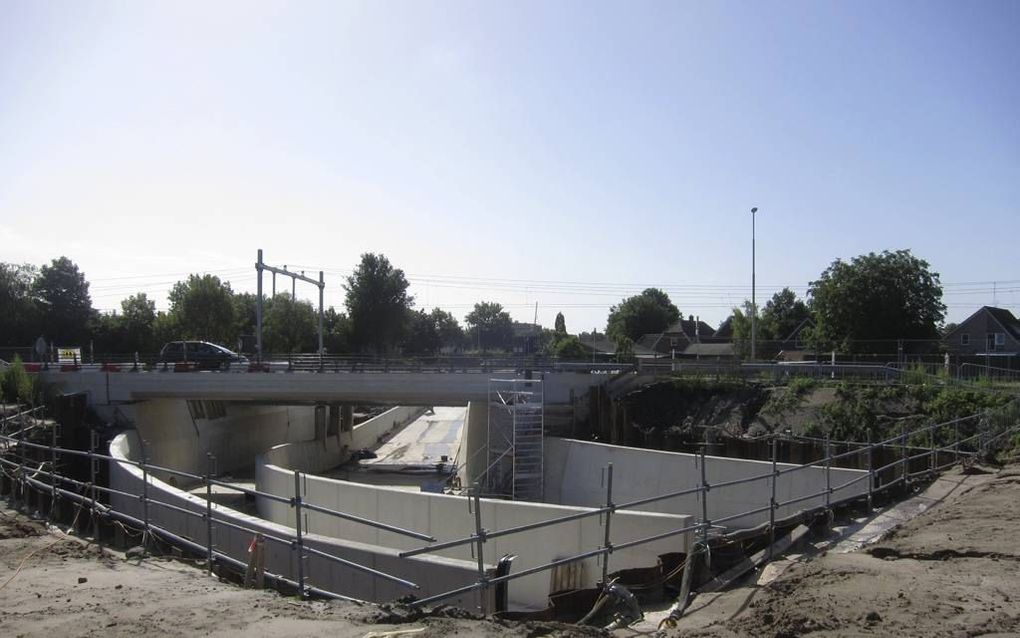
[[874, 300], [18, 316], [570, 348], [245, 314], [337, 329], [64, 303], [422, 335], [138, 316], [740, 321], [378, 304], [561, 324], [781, 315], [203, 308], [624, 348], [289, 326], [649, 312], [451, 335], [490, 327]]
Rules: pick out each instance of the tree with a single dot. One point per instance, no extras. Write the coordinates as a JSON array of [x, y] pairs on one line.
[[570, 348], [624, 348], [649, 312], [740, 321], [289, 326], [489, 326], [64, 303], [203, 308], [378, 304], [18, 320], [781, 316], [337, 331], [245, 315], [875, 300], [422, 335], [451, 335], [561, 324], [138, 316]]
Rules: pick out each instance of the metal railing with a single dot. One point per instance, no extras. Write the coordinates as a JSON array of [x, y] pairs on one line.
[[29, 472], [997, 424], [989, 427]]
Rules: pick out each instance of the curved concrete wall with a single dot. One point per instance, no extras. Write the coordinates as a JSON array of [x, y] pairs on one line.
[[321, 455], [447, 518], [174, 438], [573, 469], [434, 575]]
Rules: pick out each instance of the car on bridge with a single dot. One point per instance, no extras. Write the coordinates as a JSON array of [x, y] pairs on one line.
[[202, 354]]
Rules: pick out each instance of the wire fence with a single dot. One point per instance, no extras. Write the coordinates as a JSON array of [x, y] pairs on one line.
[[920, 453]]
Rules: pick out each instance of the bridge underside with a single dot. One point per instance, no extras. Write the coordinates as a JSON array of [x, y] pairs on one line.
[[395, 388]]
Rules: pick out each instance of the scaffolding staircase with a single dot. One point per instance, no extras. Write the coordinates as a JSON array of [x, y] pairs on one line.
[[515, 438]]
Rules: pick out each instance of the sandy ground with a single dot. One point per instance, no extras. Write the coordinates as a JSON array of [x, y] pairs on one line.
[[949, 571], [67, 587]]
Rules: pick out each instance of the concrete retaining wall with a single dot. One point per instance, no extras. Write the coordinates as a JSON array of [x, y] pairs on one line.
[[321, 455], [174, 438], [434, 574], [573, 471], [447, 518]]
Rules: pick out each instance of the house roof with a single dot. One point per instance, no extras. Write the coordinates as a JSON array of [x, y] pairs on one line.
[[526, 329], [725, 330], [649, 340], [602, 343], [807, 322], [709, 350], [691, 327], [1004, 317]]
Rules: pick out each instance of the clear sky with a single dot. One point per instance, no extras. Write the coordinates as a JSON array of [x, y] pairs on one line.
[[569, 153]]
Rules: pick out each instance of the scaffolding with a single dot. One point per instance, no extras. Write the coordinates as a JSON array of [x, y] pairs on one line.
[[516, 425]]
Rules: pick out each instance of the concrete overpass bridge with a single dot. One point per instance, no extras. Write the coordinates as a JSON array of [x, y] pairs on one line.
[[297, 388]]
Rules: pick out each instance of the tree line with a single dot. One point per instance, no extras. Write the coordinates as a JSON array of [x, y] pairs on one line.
[[875, 297], [867, 304]]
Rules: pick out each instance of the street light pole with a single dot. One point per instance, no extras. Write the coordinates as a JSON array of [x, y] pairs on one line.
[[754, 302]]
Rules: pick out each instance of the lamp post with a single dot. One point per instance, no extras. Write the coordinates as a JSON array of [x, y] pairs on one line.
[[754, 303]]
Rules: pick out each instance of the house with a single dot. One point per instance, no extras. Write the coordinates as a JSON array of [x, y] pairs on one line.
[[989, 332], [794, 346], [675, 339], [527, 338], [601, 343]]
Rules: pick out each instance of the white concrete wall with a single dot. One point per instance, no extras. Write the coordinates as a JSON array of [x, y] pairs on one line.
[[321, 455], [447, 518], [472, 459], [573, 473], [173, 439], [403, 388], [434, 575]]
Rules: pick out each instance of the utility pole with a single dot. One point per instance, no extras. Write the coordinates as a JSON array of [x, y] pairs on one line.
[[754, 303]]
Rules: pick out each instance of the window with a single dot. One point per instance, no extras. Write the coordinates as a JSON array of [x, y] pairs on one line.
[[1000, 338], [965, 339]]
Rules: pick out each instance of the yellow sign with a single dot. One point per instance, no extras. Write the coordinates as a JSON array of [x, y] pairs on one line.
[[69, 355]]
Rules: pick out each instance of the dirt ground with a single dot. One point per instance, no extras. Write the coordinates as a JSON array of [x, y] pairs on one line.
[[950, 571], [67, 587]]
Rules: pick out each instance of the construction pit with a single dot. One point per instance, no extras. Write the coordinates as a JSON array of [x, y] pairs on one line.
[[448, 504]]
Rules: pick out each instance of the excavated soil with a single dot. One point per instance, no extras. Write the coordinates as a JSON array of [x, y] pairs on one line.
[[55, 585], [951, 571]]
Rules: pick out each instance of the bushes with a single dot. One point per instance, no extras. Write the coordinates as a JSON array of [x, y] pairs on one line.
[[17, 385]]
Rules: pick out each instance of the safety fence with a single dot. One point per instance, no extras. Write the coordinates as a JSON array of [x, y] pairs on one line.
[[921, 452]]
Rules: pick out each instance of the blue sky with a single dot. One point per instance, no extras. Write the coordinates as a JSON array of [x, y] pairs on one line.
[[566, 153]]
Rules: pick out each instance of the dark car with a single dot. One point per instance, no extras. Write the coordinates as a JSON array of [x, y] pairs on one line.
[[205, 355]]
